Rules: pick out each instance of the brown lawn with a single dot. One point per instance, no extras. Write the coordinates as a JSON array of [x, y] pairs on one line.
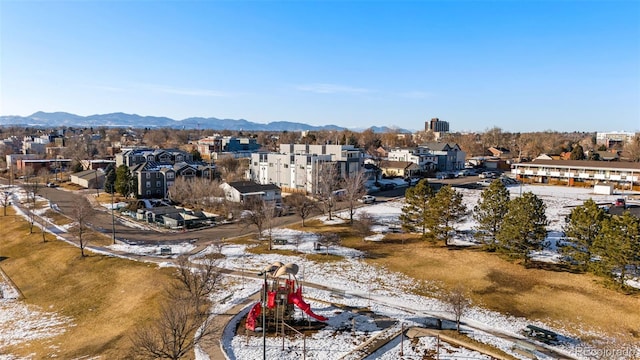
[[106, 297]]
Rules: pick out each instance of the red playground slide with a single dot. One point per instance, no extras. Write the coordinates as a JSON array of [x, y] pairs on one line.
[[252, 316], [296, 298]]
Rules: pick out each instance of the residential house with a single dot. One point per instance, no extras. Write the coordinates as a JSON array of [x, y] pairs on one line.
[[391, 168], [241, 191], [499, 152], [421, 156], [449, 155]]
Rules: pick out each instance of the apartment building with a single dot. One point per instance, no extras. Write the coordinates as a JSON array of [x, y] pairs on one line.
[[571, 172], [299, 167]]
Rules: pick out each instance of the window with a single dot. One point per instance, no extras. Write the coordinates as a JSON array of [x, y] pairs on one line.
[[158, 183], [148, 175], [170, 175], [148, 184], [286, 166], [148, 192]]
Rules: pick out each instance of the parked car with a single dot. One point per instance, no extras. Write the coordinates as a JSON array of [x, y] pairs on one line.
[[367, 199], [620, 203], [52, 185], [487, 175]]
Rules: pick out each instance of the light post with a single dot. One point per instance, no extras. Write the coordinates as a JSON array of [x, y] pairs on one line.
[[113, 219], [264, 314]]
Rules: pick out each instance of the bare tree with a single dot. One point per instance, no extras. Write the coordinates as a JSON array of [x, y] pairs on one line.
[[31, 185], [327, 182], [328, 239], [355, 188], [363, 225], [458, 303], [199, 192], [632, 149], [5, 200], [82, 213], [184, 320], [260, 214], [198, 281], [182, 325], [303, 205]]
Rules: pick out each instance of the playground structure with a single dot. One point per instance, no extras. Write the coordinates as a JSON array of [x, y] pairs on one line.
[[281, 291]]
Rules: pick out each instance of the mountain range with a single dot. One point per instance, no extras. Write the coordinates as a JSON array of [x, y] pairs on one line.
[[57, 119]]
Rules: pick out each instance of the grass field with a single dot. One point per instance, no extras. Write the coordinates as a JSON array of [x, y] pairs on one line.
[[567, 300], [105, 297], [570, 301]]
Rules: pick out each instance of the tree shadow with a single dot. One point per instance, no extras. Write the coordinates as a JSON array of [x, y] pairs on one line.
[[3, 258]]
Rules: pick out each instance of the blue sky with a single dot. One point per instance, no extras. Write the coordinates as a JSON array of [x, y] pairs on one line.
[[521, 66]]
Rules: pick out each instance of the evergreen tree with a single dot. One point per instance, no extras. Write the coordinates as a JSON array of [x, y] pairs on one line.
[[415, 212], [110, 182], [524, 226], [582, 229], [196, 155], [445, 208], [489, 212], [577, 153], [123, 180], [618, 246]]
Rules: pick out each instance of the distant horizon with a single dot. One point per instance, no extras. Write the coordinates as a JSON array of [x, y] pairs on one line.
[[524, 66], [506, 130]]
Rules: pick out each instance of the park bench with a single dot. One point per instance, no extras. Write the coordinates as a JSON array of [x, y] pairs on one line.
[[280, 241]]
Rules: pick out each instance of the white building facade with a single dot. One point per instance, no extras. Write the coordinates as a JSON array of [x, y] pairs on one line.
[[298, 167]]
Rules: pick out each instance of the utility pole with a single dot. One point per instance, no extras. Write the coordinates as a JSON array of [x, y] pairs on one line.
[[113, 219]]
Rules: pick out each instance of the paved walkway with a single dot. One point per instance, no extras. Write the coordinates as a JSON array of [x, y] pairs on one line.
[[215, 351]]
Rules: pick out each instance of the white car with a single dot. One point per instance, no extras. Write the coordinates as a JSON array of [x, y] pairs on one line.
[[367, 199]]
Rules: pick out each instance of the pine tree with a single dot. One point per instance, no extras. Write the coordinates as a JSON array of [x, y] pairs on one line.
[[123, 180], [489, 212], [582, 230], [445, 208], [416, 209], [524, 226], [618, 246], [110, 182], [577, 153]]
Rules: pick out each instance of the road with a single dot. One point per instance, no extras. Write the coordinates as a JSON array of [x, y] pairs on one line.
[[65, 201]]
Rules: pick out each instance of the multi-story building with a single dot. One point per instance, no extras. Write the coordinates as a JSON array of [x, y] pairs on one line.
[[156, 169], [135, 156], [436, 125], [421, 156], [215, 146], [613, 139], [298, 167], [449, 155], [571, 172]]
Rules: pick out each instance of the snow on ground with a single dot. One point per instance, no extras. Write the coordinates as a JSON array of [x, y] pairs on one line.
[[154, 250], [356, 284], [22, 323], [390, 294], [423, 346]]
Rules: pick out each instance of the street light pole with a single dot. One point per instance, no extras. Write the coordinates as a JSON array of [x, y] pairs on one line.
[[264, 317], [113, 219]]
